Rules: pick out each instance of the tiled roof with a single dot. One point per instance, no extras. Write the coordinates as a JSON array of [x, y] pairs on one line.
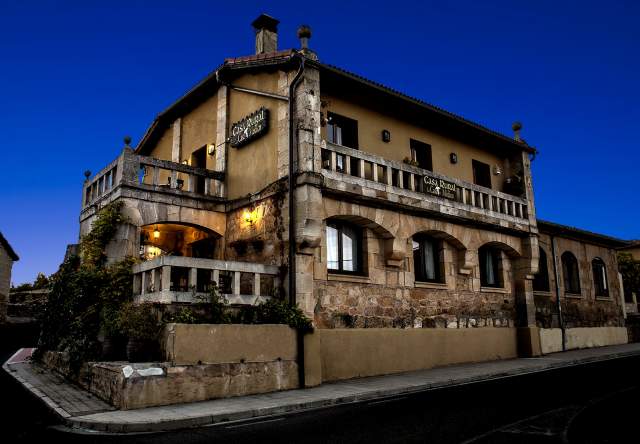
[[427, 105], [565, 230], [284, 56], [7, 247]]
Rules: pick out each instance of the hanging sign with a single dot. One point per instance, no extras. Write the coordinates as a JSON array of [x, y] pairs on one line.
[[440, 187], [250, 128]]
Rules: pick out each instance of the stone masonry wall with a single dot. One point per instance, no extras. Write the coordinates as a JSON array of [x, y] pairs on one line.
[[5, 282], [584, 310]]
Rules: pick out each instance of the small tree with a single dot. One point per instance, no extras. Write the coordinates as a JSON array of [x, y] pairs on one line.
[[630, 270]]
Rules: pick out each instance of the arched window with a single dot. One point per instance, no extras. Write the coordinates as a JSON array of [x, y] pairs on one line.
[[600, 277], [344, 247], [541, 281], [427, 263], [490, 267], [570, 273]]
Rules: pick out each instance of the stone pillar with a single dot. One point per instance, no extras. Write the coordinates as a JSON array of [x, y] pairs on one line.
[[524, 271], [221, 138], [176, 147]]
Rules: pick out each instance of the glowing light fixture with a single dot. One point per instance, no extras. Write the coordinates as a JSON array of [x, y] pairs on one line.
[[250, 217], [156, 233]]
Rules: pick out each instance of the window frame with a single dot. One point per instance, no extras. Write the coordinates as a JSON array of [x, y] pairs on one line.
[[416, 146], [339, 226], [496, 255], [437, 246], [476, 166], [568, 258], [344, 123], [598, 262]]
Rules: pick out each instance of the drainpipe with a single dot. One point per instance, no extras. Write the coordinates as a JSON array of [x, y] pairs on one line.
[[558, 304], [293, 148]]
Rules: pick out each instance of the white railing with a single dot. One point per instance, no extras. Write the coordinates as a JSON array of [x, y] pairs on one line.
[[383, 173], [168, 279], [151, 174]]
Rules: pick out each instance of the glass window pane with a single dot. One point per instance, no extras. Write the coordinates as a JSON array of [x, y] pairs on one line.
[[429, 259], [348, 250], [332, 248]]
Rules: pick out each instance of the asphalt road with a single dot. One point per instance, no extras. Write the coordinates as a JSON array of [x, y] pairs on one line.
[[591, 403]]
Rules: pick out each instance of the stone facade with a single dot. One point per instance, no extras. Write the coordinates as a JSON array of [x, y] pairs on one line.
[[7, 258], [584, 309], [246, 201]]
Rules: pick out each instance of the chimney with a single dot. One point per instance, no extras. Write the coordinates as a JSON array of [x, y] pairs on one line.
[[517, 126], [266, 28]]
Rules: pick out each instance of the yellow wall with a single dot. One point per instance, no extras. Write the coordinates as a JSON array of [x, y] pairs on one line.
[[336, 354], [199, 129], [586, 337], [252, 167], [371, 123]]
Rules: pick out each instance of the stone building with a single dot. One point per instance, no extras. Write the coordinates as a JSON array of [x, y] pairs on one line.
[[402, 215], [7, 258]]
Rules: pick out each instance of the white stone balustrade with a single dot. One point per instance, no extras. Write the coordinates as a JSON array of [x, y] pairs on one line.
[[354, 166], [170, 279]]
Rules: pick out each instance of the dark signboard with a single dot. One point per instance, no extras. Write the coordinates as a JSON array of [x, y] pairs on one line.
[[249, 128], [440, 187]]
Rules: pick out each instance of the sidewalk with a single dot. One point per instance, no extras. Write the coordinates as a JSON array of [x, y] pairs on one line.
[[83, 411]]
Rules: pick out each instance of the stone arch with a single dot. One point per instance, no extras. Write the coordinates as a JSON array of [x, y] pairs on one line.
[[509, 250], [465, 261], [393, 249]]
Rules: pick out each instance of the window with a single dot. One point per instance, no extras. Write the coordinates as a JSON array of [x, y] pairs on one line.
[[344, 247], [490, 267], [481, 174], [426, 259], [421, 153], [600, 277], [541, 281], [342, 130], [570, 273]]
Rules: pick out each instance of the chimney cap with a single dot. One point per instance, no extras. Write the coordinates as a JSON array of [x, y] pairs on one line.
[[517, 126], [304, 31], [267, 22]]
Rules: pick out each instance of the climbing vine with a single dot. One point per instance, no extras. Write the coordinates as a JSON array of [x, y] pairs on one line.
[[86, 294]]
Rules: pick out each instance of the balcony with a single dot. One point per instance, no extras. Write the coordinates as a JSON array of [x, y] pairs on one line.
[[171, 279], [133, 175], [372, 177]]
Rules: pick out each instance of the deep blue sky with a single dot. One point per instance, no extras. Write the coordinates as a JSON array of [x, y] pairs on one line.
[[75, 77]]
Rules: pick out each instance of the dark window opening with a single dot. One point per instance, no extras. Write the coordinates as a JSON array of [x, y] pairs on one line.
[[342, 130], [421, 153], [199, 160], [344, 247], [600, 277], [541, 281], [427, 263], [570, 273], [490, 267], [481, 174]]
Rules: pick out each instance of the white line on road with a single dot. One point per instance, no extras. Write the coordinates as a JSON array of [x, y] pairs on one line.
[[247, 424], [386, 400]]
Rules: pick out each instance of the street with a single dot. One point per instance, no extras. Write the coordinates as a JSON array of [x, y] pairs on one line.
[[588, 403]]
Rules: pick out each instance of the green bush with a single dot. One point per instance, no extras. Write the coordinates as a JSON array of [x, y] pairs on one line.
[[139, 321], [275, 311]]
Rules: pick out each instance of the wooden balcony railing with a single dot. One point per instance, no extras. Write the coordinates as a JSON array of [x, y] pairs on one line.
[[396, 176], [168, 279]]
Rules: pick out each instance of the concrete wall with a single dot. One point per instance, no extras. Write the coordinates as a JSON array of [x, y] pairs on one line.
[[6, 263], [551, 338], [187, 344], [352, 353], [371, 122]]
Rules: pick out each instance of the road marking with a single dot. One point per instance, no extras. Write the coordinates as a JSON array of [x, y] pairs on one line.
[[247, 424], [386, 400]]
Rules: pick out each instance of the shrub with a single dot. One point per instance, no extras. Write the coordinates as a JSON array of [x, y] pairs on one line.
[[139, 321]]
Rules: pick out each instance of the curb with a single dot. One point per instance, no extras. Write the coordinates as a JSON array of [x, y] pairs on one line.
[[79, 425]]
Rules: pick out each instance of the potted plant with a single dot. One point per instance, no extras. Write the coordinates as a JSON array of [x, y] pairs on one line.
[[141, 325]]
